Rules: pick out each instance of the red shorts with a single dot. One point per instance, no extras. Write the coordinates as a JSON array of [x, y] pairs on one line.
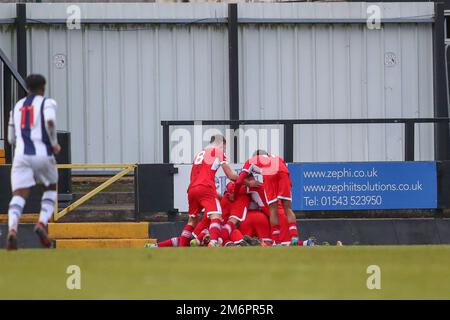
[[277, 187], [200, 198], [256, 225], [239, 207]]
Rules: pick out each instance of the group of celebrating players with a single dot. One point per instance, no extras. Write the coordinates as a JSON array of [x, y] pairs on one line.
[[250, 212]]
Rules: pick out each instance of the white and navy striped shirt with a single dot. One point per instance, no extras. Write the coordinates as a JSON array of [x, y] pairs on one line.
[[28, 119]]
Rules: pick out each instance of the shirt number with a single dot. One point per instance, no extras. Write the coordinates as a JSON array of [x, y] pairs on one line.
[[27, 117], [199, 158]]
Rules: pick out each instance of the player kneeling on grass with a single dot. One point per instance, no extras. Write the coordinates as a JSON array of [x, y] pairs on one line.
[[234, 212], [257, 226], [32, 129], [277, 185]]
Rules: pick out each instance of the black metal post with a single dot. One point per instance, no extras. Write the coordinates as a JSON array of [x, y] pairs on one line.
[[288, 144], [7, 106], [137, 210], [441, 130], [166, 143], [21, 35], [233, 70], [409, 141]]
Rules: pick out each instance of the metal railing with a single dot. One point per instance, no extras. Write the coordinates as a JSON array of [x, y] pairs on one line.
[[288, 126], [126, 168], [12, 91]]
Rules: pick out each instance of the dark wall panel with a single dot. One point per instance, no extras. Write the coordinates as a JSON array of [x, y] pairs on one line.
[[154, 188]]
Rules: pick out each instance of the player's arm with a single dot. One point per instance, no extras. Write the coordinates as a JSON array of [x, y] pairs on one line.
[[50, 124], [11, 130], [237, 186], [230, 173]]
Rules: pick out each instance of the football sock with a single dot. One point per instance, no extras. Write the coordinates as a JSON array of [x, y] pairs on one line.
[[214, 230], [186, 236], [47, 206], [202, 235], [15, 211], [293, 232], [226, 231], [173, 242], [276, 234]]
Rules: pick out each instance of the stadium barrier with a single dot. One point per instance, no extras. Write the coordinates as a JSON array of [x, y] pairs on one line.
[[162, 188], [2, 156], [353, 231], [126, 168], [288, 127]]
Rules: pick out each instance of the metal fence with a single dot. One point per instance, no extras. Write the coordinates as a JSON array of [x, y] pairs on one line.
[[289, 144]]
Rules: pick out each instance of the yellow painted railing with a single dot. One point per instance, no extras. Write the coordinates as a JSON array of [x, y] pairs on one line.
[[126, 168]]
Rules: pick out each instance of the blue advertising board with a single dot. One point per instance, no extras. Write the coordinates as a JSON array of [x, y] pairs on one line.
[[364, 186]]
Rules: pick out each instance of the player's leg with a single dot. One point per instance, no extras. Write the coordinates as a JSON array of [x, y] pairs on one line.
[[237, 238], [186, 234], [200, 232], [292, 220], [238, 213], [14, 212], [201, 238], [213, 212], [271, 194], [227, 229], [262, 228], [274, 223], [45, 173], [172, 242], [48, 201], [22, 179], [285, 195], [194, 212]]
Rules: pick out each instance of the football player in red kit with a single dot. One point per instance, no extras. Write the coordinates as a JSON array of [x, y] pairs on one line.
[[236, 211], [202, 193], [277, 185]]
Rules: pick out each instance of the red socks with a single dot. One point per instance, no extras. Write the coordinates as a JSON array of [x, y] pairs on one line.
[[214, 230], [186, 236], [276, 234], [173, 242], [293, 232], [226, 231]]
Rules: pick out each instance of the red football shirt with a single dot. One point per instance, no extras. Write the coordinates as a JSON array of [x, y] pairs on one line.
[[265, 165], [204, 168]]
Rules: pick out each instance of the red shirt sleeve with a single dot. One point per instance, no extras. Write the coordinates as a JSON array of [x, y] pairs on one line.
[[238, 183]]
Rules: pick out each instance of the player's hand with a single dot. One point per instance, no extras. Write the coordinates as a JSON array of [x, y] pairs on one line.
[[56, 149], [231, 197], [254, 184]]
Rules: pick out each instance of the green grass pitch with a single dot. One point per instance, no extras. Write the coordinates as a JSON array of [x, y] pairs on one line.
[[228, 273]]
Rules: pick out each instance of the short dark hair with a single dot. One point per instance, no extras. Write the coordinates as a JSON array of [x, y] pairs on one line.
[[260, 152], [218, 138], [35, 82]]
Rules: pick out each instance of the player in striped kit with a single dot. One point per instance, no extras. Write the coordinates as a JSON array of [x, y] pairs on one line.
[[32, 130]]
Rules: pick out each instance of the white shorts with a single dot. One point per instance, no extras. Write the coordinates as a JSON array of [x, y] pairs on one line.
[[28, 171]]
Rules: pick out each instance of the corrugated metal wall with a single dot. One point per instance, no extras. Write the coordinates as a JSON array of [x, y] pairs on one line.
[[339, 71], [119, 82], [119, 85]]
